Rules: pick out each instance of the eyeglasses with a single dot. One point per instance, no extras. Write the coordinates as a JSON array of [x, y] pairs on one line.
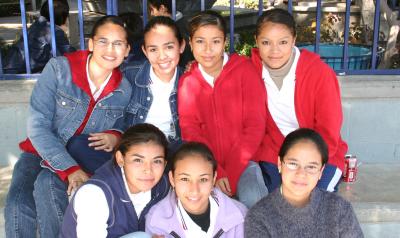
[[310, 169], [117, 45]]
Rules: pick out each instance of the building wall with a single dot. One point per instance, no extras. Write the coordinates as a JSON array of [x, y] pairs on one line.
[[371, 107]]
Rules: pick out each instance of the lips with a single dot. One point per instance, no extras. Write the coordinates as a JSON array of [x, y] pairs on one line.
[[109, 58], [165, 65]]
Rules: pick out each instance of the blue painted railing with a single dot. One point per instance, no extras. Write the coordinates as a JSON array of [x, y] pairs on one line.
[[112, 9]]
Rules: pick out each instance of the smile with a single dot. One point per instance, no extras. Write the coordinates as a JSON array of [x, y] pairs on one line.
[[109, 58]]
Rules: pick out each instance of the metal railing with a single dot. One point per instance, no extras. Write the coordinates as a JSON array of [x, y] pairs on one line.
[[112, 9]]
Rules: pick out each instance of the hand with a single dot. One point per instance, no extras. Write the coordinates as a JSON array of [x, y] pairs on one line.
[[158, 236], [103, 141], [223, 185], [75, 180]]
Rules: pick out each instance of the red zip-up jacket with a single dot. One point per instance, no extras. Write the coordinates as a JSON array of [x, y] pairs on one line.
[[229, 118], [317, 104]]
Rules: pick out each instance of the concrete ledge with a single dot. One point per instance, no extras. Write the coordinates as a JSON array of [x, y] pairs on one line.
[[16, 91], [370, 86]]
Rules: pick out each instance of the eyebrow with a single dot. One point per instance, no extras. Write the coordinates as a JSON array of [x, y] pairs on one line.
[[168, 43], [217, 37], [186, 174], [141, 156]]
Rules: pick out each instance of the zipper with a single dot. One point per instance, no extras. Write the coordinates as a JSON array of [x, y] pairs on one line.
[[219, 233], [173, 234]]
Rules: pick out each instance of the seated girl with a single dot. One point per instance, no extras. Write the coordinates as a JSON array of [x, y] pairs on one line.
[[299, 208], [79, 95], [302, 91], [116, 199], [221, 103], [194, 208], [155, 82]]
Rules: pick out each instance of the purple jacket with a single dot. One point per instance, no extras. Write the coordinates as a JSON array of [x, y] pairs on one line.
[[163, 220]]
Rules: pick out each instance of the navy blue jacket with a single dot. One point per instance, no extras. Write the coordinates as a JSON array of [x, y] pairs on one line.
[[39, 44], [123, 218]]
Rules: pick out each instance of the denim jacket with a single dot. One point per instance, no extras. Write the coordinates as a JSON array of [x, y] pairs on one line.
[[58, 107], [139, 105]]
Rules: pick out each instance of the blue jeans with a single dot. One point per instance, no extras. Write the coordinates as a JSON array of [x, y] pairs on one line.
[[36, 200], [251, 187]]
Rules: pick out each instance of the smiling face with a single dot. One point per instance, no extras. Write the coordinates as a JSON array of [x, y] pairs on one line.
[[275, 42], [109, 46], [163, 50], [297, 185], [143, 165], [208, 45], [193, 180]]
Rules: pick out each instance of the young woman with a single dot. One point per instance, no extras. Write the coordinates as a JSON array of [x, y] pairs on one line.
[[302, 91], [221, 104], [116, 199], [194, 208], [299, 208], [82, 93], [154, 83]]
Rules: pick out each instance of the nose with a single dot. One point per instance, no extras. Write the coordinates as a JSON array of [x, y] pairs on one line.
[[208, 46], [146, 167], [163, 54], [301, 171], [194, 188]]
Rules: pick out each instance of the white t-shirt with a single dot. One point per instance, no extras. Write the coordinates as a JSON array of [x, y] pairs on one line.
[[281, 102], [160, 110], [93, 89]]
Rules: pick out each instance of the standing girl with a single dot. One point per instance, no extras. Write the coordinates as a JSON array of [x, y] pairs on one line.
[[77, 94], [221, 104], [115, 201], [299, 208], [302, 91], [194, 208], [154, 83]]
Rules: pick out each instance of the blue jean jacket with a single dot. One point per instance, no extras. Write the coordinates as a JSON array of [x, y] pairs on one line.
[[58, 107], [139, 105]]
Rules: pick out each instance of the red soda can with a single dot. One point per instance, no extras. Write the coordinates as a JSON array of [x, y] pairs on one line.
[[350, 168]]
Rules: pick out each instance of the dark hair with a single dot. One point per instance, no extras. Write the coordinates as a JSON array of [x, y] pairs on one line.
[[193, 148], [108, 19], [61, 11], [134, 25], [304, 135], [142, 133], [164, 21], [206, 18], [276, 15], [157, 4]]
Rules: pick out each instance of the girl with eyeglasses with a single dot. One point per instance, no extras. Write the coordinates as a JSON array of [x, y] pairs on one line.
[[299, 208], [76, 100], [302, 91]]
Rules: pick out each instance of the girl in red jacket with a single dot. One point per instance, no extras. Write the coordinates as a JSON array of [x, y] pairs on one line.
[[221, 103], [302, 91]]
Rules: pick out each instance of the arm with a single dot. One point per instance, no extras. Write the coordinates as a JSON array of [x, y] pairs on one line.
[[40, 122], [349, 225], [254, 226], [253, 122], [92, 212], [328, 112]]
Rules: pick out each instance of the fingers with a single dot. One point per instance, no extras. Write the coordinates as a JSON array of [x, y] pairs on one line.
[[223, 185]]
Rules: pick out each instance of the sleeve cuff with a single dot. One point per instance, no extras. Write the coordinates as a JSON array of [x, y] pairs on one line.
[[114, 132]]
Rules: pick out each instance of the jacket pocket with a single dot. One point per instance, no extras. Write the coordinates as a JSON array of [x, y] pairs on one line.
[[65, 105], [114, 114]]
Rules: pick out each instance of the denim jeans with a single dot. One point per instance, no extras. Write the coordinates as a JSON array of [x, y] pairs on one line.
[[251, 187], [36, 200]]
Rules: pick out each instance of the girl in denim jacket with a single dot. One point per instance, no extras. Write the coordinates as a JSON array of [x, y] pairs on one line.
[[82, 93], [154, 82]]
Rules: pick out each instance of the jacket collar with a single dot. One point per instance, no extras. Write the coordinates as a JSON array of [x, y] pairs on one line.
[[142, 78], [166, 218], [77, 61]]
